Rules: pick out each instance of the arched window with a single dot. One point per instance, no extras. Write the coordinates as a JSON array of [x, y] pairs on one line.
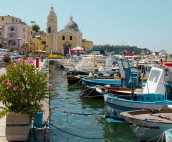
[[12, 42], [49, 29]]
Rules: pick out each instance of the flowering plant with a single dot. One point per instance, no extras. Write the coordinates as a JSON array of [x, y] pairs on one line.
[[6, 57], [23, 87]]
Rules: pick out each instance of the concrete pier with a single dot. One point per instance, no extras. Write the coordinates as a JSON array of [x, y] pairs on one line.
[[36, 134]]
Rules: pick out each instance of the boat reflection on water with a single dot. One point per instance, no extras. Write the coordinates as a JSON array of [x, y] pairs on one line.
[[116, 132], [92, 103]]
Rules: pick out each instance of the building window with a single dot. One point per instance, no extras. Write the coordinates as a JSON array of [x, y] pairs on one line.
[[49, 29], [2, 18], [23, 29], [63, 37], [70, 37], [12, 29], [13, 19], [12, 43], [12, 35]]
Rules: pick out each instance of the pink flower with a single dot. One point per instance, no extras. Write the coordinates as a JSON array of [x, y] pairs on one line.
[[9, 83], [50, 86], [30, 60], [4, 82], [6, 54], [19, 60], [15, 88]]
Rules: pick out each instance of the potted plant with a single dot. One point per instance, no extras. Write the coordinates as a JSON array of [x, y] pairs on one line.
[[21, 90]]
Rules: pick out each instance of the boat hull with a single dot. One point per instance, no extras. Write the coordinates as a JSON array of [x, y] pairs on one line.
[[102, 82], [168, 135], [74, 80], [146, 130], [116, 105]]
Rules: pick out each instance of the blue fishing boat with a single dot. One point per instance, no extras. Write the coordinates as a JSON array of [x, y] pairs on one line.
[[102, 82], [128, 79], [156, 94]]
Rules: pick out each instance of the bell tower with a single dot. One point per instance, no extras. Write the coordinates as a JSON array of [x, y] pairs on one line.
[[52, 24], [51, 21]]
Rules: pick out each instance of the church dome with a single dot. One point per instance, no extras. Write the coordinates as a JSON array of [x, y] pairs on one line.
[[72, 25]]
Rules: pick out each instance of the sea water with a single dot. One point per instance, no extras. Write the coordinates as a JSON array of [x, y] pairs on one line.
[[74, 119]]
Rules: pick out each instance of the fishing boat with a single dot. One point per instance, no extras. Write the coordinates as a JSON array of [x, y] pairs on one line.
[[149, 124], [74, 77], [102, 82], [128, 80], [168, 135], [126, 93], [156, 94]]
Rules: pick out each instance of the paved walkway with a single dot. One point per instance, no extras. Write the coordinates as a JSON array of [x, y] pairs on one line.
[[45, 102]]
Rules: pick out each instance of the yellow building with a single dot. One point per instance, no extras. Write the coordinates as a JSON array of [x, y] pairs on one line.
[[88, 45], [39, 43], [69, 37]]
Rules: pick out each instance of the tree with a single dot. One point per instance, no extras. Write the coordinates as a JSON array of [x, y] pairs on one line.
[[35, 28]]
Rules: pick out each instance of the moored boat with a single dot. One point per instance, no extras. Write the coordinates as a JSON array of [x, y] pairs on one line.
[[168, 135], [149, 124], [156, 94]]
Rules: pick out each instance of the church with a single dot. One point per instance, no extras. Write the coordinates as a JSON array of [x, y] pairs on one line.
[[69, 37]]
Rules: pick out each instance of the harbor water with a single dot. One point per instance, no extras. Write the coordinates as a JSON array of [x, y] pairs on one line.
[[81, 120]]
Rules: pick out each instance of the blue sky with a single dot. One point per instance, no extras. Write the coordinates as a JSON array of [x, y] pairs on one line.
[[141, 23]]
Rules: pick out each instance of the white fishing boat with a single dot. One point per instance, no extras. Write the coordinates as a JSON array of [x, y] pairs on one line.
[[168, 135], [149, 125], [156, 93]]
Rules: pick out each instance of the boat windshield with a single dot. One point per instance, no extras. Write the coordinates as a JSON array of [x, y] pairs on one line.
[[154, 75]]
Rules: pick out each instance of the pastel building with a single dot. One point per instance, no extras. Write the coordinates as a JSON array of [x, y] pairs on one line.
[[64, 40], [4, 20], [1, 36], [16, 34]]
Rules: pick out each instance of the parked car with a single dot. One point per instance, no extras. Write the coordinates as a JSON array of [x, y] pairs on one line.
[[1, 60], [15, 56]]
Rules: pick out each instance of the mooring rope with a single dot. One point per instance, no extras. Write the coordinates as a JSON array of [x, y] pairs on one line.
[[84, 137]]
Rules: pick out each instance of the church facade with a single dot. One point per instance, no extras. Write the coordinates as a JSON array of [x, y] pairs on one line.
[[63, 41]]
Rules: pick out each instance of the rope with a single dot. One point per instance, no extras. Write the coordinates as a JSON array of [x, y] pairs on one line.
[[85, 114], [76, 83], [84, 137], [34, 135], [88, 93], [56, 136], [161, 136]]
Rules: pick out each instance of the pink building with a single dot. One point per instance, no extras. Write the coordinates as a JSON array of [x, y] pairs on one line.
[[16, 35]]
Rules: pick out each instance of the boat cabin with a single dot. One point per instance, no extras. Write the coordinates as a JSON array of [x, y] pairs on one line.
[[158, 78]]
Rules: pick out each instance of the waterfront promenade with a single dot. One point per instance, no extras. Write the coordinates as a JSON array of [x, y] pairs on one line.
[[38, 134]]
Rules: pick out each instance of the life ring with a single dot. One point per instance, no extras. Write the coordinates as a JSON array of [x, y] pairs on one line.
[[168, 64]]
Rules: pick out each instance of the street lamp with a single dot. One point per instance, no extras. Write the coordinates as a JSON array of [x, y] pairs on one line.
[[5, 43], [18, 39]]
